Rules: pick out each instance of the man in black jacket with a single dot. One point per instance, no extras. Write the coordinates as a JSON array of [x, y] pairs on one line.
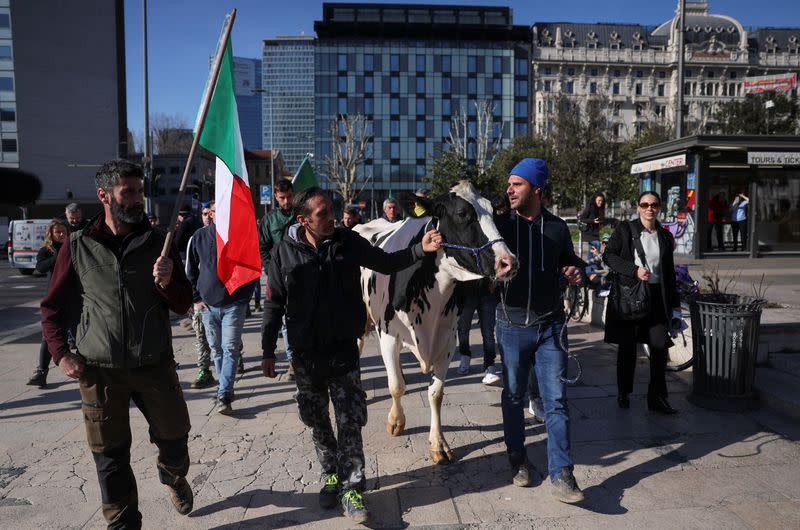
[[314, 277], [530, 325]]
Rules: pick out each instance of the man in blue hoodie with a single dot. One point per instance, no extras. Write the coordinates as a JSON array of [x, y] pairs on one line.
[[223, 313], [530, 325]]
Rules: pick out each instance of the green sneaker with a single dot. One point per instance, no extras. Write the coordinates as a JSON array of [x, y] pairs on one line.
[[353, 504], [329, 494], [203, 379]]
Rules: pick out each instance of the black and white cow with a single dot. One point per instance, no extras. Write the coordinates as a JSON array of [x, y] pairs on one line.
[[416, 307]]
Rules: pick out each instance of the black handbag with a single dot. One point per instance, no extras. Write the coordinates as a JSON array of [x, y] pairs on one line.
[[631, 302]]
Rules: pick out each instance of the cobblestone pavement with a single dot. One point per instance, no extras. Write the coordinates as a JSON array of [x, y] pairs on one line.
[[256, 469]]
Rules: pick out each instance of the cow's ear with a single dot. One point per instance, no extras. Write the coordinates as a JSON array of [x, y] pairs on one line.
[[415, 206]]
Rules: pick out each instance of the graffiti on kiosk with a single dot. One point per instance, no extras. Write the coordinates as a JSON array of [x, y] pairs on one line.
[[678, 218]]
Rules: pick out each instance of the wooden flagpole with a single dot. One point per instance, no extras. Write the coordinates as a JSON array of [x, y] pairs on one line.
[[212, 83]]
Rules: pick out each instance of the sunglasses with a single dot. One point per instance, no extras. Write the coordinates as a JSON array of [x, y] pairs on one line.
[[646, 205]]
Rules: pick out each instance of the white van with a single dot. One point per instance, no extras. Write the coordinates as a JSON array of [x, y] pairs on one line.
[[25, 238]]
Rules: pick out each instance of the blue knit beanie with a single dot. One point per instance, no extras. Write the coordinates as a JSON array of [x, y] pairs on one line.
[[534, 170]]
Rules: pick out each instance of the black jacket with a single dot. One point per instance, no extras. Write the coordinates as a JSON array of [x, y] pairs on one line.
[[588, 215], [201, 270], [548, 242], [619, 256], [319, 290], [46, 259]]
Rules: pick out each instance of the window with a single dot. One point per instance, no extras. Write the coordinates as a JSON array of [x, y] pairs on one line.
[[733, 75], [548, 71], [342, 106], [420, 128], [615, 110], [369, 105], [395, 150], [639, 73], [662, 74], [570, 71], [446, 85], [471, 151], [9, 145], [5, 21], [420, 149], [549, 106], [420, 171], [638, 89], [472, 64], [342, 84], [342, 61], [497, 87], [593, 72], [593, 88], [394, 128], [521, 109], [420, 106], [6, 84], [394, 62], [369, 84], [522, 66], [394, 106], [420, 85], [547, 85], [639, 110], [420, 63], [472, 85], [521, 88], [569, 87], [446, 63], [521, 128], [446, 108], [615, 88], [688, 73], [369, 62], [472, 128], [445, 129], [660, 89], [497, 65], [8, 115], [5, 52], [710, 74], [394, 84]]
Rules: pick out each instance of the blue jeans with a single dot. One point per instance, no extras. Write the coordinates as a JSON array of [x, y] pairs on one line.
[[224, 333], [286, 340], [520, 345]]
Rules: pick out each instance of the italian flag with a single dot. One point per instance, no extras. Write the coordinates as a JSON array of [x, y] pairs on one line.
[[238, 259]]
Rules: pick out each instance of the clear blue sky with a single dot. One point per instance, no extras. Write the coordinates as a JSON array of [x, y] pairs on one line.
[[183, 33]]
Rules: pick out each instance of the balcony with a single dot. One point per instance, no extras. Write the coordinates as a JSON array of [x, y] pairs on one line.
[[603, 55]]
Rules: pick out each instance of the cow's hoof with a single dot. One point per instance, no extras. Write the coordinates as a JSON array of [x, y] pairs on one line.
[[442, 456], [395, 428]]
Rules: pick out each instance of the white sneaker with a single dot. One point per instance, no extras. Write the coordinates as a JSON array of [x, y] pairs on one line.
[[463, 368], [536, 409], [491, 377], [604, 293]]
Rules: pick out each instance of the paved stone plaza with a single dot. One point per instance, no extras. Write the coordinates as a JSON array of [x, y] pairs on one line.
[[257, 469]]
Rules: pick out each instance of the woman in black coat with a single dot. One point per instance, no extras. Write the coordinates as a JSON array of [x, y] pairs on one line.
[[654, 330], [594, 216], [57, 234]]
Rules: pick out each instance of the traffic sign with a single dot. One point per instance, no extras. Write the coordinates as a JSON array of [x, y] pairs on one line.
[[266, 194]]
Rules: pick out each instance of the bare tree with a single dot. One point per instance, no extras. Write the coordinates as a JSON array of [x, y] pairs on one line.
[[170, 133], [349, 141], [485, 145]]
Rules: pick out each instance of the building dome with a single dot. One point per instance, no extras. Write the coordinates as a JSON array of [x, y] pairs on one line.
[[705, 31]]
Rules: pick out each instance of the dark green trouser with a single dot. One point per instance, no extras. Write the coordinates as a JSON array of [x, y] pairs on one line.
[[344, 456], [105, 399]]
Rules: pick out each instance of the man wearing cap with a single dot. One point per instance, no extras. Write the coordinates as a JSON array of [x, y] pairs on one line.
[[530, 325]]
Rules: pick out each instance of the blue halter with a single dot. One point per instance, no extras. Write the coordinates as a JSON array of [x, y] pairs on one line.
[[475, 251]]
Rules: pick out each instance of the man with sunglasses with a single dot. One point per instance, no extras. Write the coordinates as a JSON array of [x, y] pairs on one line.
[[530, 324]]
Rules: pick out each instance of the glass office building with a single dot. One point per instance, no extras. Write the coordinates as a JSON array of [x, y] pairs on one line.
[[288, 97], [247, 78], [409, 69]]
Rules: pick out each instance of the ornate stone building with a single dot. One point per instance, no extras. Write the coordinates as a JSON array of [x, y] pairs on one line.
[[634, 68]]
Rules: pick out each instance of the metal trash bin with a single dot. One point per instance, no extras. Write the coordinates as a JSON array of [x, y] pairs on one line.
[[725, 330]]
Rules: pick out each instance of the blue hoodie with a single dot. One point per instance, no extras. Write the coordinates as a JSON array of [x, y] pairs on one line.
[[201, 269]]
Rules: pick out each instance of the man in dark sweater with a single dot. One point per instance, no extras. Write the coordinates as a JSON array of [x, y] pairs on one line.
[[124, 340], [223, 313], [314, 277], [530, 325]]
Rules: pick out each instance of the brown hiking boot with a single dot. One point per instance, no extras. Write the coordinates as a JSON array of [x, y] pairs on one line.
[[181, 496]]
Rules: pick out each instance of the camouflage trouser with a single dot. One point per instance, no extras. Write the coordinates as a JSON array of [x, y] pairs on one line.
[[201, 343], [344, 456]]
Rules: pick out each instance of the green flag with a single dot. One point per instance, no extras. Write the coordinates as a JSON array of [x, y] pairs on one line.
[[304, 178]]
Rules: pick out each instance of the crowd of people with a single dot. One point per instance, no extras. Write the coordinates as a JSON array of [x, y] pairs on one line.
[[106, 323]]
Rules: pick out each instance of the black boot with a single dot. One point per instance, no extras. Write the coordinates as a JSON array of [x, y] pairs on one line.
[[661, 405], [39, 378]]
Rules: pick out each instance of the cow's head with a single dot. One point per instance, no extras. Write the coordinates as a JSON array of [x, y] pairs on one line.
[[464, 218]]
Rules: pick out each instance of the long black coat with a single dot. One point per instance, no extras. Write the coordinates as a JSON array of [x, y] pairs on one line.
[[619, 256]]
